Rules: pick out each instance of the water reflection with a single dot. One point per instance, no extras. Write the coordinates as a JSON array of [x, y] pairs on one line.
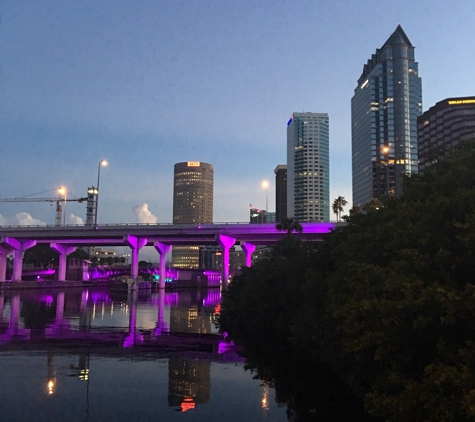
[[126, 352]]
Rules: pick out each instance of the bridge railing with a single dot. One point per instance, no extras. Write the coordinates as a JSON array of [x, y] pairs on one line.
[[144, 224]]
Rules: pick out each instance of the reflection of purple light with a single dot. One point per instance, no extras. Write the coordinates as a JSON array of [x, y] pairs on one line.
[[48, 299], [100, 297], [213, 297], [171, 299]]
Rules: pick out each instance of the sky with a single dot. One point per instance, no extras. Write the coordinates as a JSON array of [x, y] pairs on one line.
[[145, 84]]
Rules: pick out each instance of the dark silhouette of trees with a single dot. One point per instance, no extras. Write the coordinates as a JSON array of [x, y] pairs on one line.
[[290, 225]]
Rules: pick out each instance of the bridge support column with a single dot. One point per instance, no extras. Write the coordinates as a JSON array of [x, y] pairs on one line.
[[162, 250], [5, 250], [248, 249], [226, 242], [63, 251], [135, 243], [19, 247]]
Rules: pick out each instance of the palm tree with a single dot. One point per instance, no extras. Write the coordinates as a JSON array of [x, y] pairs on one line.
[[338, 205], [355, 209], [290, 224]]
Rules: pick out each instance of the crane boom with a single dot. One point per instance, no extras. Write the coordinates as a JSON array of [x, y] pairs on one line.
[[59, 208]]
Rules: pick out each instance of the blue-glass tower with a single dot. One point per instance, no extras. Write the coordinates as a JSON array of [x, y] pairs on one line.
[[384, 111]]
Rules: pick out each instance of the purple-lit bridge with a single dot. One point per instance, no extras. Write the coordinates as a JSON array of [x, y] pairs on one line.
[[65, 239]]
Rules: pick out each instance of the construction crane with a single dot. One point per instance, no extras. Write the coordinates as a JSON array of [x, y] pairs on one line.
[[59, 206]]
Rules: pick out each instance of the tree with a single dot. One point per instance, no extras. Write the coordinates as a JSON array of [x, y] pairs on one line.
[[373, 205], [338, 205], [41, 256], [355, 209], [398, 294], [289, 224], [79, 254]]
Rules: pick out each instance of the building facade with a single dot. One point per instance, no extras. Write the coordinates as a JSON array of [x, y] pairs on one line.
[[384, 111], [257, 216], [280, 192], [192, 204], [308, 167], [443, 126]]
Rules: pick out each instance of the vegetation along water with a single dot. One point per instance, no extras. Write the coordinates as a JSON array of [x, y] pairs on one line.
[[375, 323]]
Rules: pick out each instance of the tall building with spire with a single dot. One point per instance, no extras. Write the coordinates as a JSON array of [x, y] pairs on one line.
[[384, 111], [192, 204]]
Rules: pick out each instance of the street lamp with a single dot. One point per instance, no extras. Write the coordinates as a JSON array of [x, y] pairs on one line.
[[101, 163], [265, 185], [63, 191], [386, 159]]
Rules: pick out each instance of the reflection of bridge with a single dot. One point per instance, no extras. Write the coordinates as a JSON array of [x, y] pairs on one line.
[[65, 239], [69, 323]]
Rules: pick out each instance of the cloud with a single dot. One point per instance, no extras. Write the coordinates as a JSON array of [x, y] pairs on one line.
[[74, 219], [21, 219], [143, 214]]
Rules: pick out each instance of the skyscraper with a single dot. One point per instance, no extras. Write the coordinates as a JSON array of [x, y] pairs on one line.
[[443, 126], [308, 181], [192, 204], [384, 111], [280, 192]]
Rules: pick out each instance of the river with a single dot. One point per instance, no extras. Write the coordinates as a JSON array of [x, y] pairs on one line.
[[103, 355]]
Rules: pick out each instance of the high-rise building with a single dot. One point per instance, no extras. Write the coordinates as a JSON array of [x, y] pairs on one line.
[[257, 216], [384, 111], [308, 166], [192, 204], [443, 126], [280, 192]]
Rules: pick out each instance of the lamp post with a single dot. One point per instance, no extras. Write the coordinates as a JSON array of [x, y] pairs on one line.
[[101, 163], [386, 159], [265, 185], [63, 191], [59, 209]]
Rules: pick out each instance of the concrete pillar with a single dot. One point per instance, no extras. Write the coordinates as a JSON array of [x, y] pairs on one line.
[[5, 250], [63, 251], [248, 249], [226, 243], [19, 247], [162, 250], [135, 243]]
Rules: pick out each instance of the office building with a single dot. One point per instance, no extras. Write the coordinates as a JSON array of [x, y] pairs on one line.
[[192, 204], [308, 166], [443, 126], [280, 192], [257, 216], [384, 111]]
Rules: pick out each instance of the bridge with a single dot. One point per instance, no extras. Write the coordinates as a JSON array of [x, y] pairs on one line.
[[65, 240]]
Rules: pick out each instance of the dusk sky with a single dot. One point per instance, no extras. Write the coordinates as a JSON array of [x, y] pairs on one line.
[[146, 84]]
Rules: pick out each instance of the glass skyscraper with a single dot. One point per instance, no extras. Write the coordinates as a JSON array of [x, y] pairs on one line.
[[384, 111], [308, 167]]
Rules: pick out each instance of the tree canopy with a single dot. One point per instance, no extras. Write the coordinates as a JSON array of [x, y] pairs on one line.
[[387, 301]]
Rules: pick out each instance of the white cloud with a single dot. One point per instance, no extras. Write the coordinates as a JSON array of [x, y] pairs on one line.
[[143, 214], [74, 219], [21, 219]]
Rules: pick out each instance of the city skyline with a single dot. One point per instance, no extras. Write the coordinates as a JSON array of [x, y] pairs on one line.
[[146, 86]]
